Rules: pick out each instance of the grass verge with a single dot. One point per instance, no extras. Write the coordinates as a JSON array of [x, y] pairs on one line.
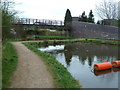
[[100, 41], [96, 41], [62, 77], [9, 63], [38, 37]]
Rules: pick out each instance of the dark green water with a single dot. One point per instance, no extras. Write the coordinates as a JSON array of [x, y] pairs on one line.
[[79, 59]]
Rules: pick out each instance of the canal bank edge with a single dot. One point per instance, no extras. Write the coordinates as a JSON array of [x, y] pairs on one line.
[[83, 40], [62, 77]]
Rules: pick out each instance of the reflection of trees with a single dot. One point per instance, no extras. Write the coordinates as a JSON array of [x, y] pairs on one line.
[[103, 53], [83, 59], [68, 56], [90, 60]]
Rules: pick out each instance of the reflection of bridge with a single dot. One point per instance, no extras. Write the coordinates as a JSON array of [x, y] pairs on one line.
[[28, 23]]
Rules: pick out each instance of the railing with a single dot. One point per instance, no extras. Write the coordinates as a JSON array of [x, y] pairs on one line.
[[37, 21]]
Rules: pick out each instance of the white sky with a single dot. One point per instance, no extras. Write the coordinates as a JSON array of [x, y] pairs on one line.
[[54, 9]]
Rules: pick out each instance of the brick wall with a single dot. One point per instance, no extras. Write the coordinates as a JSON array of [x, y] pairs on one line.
[[83, 29]]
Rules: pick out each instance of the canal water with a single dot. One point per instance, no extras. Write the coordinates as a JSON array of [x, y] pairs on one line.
[[79, 59]]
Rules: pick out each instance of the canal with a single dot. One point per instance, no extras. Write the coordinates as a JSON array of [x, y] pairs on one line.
[[79, 59]]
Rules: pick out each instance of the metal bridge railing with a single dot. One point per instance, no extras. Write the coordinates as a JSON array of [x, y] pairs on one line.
[[37, 21]]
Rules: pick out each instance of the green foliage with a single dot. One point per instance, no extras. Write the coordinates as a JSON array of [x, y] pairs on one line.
[[46, 32], [68, 17], [9, 63], [98, 22], [1, 65], [7, 16], [6, 25], [83, 17], [20, 33], [102, 41], [51, 37], [91, 17], [62, 77]]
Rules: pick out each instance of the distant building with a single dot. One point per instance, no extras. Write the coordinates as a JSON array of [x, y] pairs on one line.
[[111, 22]]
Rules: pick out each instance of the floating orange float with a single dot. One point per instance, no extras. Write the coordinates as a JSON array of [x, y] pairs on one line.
[[116, 63], [102, 66]]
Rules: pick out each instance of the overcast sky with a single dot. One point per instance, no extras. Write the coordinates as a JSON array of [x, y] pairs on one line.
[[54, 9]]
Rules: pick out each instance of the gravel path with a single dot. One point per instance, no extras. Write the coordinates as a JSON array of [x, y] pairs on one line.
[[31, 72]]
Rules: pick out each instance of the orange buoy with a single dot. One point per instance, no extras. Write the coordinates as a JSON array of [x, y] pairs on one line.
[[102, 72], [116, 63], [102, 66]]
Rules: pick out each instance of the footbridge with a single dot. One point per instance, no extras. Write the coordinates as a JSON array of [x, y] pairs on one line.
[[28, 24]]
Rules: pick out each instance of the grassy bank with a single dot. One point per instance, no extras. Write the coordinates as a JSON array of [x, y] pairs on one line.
[[0, 74], [102, 41], [38, 37], [82, 40], [48, 37], [62, 77], [9, 63]]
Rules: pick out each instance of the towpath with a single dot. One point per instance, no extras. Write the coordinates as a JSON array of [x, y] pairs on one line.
[[31, 72]]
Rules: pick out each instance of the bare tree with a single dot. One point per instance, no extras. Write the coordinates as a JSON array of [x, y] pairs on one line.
[[7, 14], [107, 9]]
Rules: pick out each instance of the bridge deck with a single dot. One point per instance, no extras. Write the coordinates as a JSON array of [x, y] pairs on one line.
[[27, 23]]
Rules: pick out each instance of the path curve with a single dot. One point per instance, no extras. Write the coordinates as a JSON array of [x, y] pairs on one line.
[[31, 72]]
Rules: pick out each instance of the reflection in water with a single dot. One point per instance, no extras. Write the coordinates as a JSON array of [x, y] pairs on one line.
[[80, 58], [84, 51], [90, 61], [98, 73], [116, 69], [52, 48]]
